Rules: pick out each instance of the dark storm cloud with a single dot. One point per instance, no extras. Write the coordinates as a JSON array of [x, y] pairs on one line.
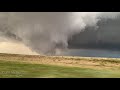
[[49, 32], [107, 36]]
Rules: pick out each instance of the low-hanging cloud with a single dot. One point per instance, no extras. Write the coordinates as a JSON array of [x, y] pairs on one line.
[[48, 32]]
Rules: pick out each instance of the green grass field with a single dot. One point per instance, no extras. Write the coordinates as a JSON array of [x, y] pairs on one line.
[[32, 66], [10, 69]]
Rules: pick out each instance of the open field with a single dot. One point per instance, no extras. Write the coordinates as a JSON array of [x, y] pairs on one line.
[[13, 65]]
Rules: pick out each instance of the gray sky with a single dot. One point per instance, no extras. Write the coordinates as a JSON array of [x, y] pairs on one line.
[[50, 32], [107, 36]]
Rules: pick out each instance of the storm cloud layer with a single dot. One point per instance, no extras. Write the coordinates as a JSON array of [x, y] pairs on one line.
[[48, 32], [107, 36]]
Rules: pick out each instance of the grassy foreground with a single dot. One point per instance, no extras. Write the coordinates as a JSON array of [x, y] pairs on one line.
[[10, 68]]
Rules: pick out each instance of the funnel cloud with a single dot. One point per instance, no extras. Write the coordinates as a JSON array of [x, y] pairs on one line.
[[48, 32]]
